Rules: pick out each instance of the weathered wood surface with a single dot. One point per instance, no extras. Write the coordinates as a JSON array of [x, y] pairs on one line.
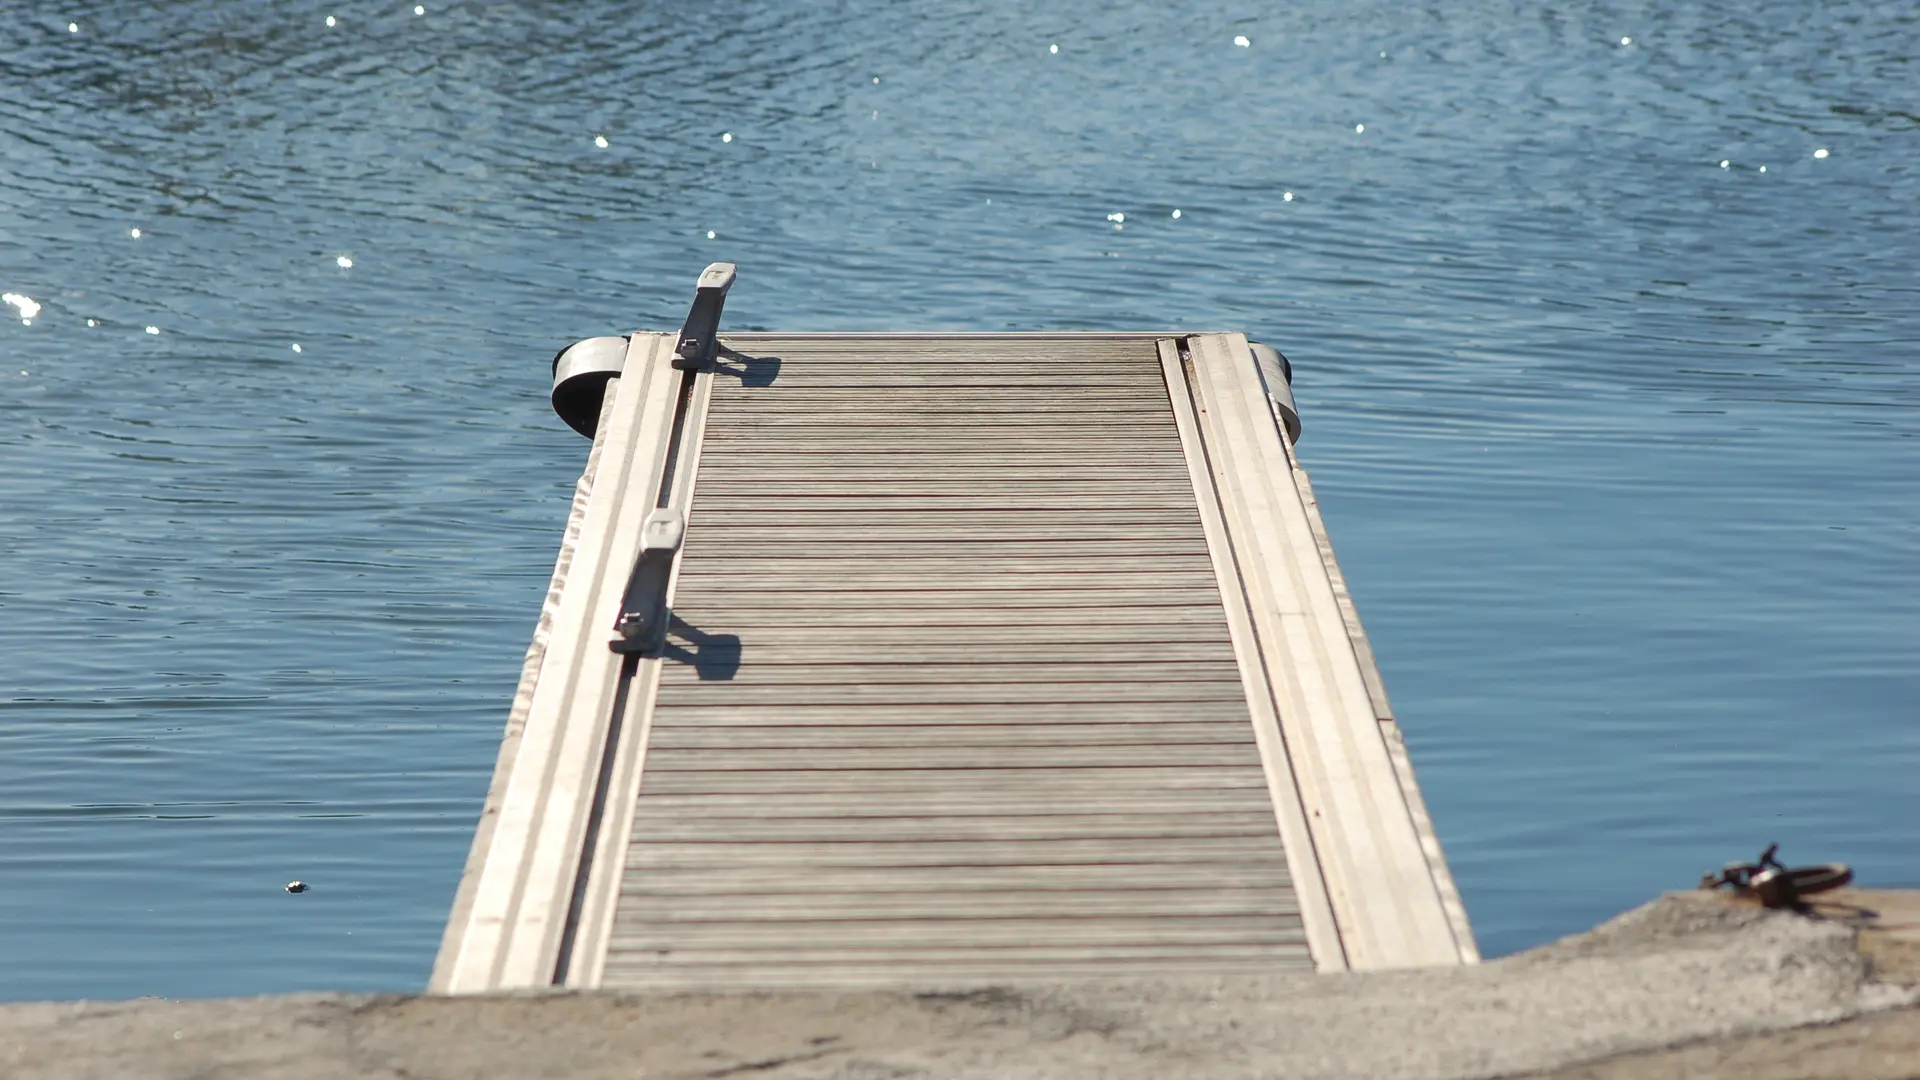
[[1384, 897], [524, 893], [973, 706], [997, 658]]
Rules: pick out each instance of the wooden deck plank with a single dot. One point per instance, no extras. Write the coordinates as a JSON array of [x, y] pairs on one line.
[[1082, 444], [1081, 421], [931, 755], [810, 578], [868, 378], [1000, 970], [986, 553], [829, 674], [1125, 458], [981, 638], [918, 957], [970, 827], [944, 395], [1034, 623], [1004, 601], [894, 496], [1052, 517], [1001, 736], [780, 908], [700, 713], [1059, 932], [891, 650], [1010, 784], [947, 968], [942, 568], [945, 411], [646, 856], [946, 475], [715, 535], [935, 487], [1072, 590], [918, 884], [948, 803], [725, 693]]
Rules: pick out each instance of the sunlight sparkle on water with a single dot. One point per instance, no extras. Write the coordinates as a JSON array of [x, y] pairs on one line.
[[90, 322], [330, 20], [709, 234], [1359, 128], [600, 141], [296, 347], [153, 329], [135, 233], [1176, 213], [343, 262], [1286, 196], [73, 28], [417, 10], [1053, 48], [726, 136], [26, 305], [1725, 163], [1820, 153], [1241, 40], [1626, 41]]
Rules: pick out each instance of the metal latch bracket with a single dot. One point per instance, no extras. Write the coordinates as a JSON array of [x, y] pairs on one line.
[[642, 624], [699, 338], [644, 615]]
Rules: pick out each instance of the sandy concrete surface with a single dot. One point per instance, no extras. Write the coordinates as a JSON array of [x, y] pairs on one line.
[[1687, 986]]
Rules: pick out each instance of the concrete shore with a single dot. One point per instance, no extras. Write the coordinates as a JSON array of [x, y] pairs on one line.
[[1690, 985]]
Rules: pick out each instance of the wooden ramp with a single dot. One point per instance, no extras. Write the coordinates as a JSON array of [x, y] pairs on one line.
[[991, 658]]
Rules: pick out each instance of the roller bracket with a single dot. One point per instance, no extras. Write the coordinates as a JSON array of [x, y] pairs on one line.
[[581, 372], [1276, 374]]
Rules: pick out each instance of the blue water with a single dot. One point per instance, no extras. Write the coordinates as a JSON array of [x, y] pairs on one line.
[[1617, 442]]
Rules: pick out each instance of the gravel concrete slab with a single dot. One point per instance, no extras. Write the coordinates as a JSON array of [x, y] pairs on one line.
[[1875, 1046], [1687, 969]]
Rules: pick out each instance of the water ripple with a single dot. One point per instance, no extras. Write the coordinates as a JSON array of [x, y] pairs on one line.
[[1618, 445]]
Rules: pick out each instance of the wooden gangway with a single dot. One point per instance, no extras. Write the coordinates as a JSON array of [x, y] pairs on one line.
[[990, 657]]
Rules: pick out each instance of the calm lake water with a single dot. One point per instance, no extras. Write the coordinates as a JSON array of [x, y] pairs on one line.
[[1606, 324]]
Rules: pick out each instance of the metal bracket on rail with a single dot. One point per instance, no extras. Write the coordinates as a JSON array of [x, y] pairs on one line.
[[699, 341], [644, 615], [642, 624]]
